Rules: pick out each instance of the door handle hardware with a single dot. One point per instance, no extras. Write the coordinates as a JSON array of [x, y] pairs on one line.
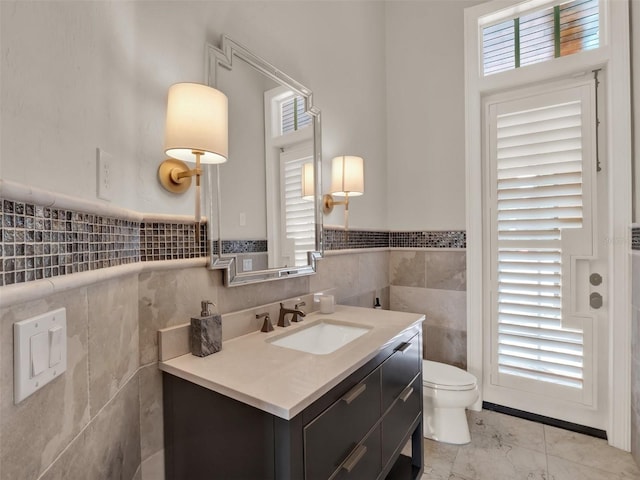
[[404, 347], [353, 459], [354, 393], [595, 300], [595, 279], [404, 396]]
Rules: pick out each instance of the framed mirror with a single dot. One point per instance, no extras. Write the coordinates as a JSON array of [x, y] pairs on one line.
[[264, 203]]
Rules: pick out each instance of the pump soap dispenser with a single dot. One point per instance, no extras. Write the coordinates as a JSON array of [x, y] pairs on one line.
[[206, 332]]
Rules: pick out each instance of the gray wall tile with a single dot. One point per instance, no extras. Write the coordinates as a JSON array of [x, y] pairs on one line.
[[446, 270], [109, 448], [407, 268], [113, 337], [151, 421], [34, 432], [445, 345]]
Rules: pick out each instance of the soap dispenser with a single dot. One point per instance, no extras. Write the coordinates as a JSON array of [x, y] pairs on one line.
[[206, 332]]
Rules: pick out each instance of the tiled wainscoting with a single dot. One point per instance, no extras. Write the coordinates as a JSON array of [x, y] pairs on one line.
[[433, 282]]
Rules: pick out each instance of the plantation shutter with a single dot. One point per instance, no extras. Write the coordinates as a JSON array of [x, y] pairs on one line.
[[539, 197], [299, 214]]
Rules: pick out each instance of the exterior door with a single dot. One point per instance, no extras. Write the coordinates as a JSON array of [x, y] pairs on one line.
[[545, 333]]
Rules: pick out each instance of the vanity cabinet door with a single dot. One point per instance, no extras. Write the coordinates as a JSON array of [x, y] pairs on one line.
[[332, 436], [401, 416], [400, 369], [364, 461]]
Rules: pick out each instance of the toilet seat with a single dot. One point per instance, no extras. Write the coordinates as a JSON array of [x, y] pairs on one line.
[[446, 377]]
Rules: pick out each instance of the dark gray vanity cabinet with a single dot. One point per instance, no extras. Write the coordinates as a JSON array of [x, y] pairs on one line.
[[355, 431]]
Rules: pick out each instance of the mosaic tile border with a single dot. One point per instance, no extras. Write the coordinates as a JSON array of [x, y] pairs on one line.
[[427, 239], [338, 239], [39, 242], [635, 238]]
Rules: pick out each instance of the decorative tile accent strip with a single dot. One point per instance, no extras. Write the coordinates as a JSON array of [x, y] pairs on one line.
[[43, 242], [446, 239], [338, 239], [243, 246], [171, 241], [635, 238]]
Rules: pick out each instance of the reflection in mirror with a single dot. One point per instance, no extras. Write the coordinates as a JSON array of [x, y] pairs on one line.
[[268, 220]]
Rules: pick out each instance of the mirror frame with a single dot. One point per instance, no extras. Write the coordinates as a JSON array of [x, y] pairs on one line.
[[222, 57]]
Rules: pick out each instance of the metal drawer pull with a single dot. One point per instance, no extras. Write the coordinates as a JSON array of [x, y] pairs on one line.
[[404, 347], [354, 393], [353, 459], [404, 396]]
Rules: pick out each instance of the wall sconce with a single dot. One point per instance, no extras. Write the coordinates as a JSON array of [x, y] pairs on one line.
[[197, 130], [347, 180]]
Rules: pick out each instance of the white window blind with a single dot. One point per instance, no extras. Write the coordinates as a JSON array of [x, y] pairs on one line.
[[293, 115], [541, 35], [299, 214], [539, 193]]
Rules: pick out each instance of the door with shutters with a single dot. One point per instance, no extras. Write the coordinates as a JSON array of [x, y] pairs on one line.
[[544, 342]]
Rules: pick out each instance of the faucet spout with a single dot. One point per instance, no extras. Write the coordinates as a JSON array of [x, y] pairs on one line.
[[295, 313]]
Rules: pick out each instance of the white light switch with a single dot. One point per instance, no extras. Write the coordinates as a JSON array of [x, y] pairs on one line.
[[39, 352], [55, 345]]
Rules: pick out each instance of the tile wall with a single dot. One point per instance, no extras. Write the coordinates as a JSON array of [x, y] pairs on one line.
[[434, 282]]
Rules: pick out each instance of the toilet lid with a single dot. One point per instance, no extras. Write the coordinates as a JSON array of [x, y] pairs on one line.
[[436, 373]]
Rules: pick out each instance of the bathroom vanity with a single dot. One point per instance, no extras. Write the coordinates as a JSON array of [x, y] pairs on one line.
[[256, 410]]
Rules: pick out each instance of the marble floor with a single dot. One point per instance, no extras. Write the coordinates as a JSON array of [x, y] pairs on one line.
[[509, 448]]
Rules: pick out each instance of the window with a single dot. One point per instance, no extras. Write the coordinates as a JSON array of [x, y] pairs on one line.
[[541, 36], [293, 115]]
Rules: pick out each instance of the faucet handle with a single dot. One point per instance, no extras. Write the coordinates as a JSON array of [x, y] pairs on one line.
[[301, 304], [267, 326]]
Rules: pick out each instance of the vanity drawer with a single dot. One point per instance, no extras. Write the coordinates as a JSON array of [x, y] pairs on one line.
[[400, 368], [400, 417], [331, 437], [364, 461]]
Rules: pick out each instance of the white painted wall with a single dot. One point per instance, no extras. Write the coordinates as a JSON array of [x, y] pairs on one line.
[[425, 114], [78, 75]]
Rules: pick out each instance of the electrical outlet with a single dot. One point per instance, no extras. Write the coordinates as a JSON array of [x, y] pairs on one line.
[[104, 170], [247, 265]]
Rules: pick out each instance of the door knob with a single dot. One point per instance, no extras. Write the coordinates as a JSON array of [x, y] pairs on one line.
[[595, 279], [595, 300]]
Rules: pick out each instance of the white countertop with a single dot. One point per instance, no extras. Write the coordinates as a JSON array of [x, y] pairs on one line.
[[283, 381]]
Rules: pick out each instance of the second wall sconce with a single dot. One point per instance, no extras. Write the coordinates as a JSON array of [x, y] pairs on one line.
[[197, 130], [347, 180]]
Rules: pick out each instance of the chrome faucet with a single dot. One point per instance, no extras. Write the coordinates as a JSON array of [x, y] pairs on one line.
[[295, 312]]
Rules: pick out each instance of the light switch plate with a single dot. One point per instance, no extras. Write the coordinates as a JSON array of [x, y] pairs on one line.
[[25, 383], [105, 175]]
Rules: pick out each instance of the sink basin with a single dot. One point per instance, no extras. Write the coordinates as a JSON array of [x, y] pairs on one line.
[[323, 337]]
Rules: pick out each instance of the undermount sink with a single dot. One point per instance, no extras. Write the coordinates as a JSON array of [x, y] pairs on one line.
[[323, 337]]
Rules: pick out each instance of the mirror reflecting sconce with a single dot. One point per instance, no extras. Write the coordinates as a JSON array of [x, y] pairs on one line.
[[196, 130], [347, 180]]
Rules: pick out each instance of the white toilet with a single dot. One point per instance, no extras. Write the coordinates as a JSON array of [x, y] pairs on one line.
[[448, 391]]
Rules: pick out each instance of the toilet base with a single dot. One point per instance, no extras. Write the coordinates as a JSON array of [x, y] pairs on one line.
[[448, 425]]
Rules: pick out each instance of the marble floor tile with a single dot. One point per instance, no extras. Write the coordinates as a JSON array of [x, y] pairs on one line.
[[507, 430], [438, 460], [561, 469], [590, 451], [486, 458]]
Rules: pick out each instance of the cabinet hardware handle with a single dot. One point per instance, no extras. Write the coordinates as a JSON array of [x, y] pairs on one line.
[[404, 347], [353, 459], [404, 396], [354, 393]]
